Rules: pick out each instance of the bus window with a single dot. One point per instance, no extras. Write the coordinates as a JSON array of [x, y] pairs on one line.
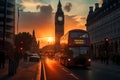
[[75, 51], [79, 50], [83, 50], [78, 35]]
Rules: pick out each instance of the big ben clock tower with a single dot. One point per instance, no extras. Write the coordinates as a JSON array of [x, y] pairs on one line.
[[59, 24]]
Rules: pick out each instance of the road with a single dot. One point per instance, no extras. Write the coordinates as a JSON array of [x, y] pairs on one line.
[[98, 71], [54, 71]]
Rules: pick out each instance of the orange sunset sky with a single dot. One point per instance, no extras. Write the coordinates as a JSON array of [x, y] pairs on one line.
[[40, 14]]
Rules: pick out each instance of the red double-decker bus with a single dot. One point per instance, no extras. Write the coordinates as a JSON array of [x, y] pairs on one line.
[[75, 48]]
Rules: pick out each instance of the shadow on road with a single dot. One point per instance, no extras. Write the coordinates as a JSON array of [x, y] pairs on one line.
[[79, 68]]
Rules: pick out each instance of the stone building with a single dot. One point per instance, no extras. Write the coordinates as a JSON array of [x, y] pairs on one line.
[[104, 22], [7, 24]]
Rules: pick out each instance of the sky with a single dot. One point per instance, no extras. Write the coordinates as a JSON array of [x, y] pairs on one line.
[[40, 14]]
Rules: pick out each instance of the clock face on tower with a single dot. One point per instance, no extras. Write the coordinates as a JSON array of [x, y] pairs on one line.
[[60, 18]]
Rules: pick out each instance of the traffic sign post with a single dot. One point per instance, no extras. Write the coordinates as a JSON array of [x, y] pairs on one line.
[[106, 43]]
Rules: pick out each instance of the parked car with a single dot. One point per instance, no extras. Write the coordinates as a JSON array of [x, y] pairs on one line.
[[34, 58]]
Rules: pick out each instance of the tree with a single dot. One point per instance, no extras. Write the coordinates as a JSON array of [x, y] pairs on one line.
[[23, 41]]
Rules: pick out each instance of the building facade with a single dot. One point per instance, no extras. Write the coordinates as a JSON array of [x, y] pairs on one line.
[[7, 24], [104, 22], [59, 25]]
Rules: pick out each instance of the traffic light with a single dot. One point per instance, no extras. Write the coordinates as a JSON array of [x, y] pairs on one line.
[[106, 42], [21, 42], [21, 46]]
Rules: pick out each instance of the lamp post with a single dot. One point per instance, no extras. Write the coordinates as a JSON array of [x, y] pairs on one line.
[[17, 19], [18, 9]]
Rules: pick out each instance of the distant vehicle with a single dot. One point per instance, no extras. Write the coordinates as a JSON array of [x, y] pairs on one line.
[[74, 48], [34, 57]]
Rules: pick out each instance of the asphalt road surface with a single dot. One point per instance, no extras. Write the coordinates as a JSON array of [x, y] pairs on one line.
[[97, 71], [54, 71]]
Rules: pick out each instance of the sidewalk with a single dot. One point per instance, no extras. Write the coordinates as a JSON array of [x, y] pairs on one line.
[[107, 67], [25, 71], [4, 72]]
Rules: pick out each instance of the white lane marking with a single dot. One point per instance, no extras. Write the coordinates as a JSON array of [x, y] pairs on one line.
[[74, 76], [71, 73], [65, 70], [45, 77], [39, 71]]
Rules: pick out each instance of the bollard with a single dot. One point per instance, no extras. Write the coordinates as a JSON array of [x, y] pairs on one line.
[[11, 69]]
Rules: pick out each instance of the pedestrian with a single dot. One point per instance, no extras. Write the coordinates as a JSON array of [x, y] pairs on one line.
[[12, 63], [16, 58], [2, 59], [25, 56]]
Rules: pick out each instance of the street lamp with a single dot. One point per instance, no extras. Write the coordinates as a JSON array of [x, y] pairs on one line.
[[18, 9], [17, 19]]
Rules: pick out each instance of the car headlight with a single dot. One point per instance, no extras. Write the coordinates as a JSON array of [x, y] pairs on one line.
[[69, 59]]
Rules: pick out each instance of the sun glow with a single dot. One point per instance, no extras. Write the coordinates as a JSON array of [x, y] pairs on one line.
[[46, 41], [50, 39], [50, 64]]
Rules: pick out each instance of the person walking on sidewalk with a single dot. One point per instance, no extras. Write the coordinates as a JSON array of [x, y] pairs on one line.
[[2, 59], [16, 58]]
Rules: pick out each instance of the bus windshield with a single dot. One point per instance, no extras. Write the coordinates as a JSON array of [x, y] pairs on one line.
[[76, 51], [78, 35]]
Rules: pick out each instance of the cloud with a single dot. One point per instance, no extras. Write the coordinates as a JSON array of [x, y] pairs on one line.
[[46, 1], [21, 7], [36, 0], [43, 21], [70, 23], [44, 24], [68, 6], [36, 20], [46, 10], [29, 3], [38, 15], [38, 7], [81, 20], [100, 2]]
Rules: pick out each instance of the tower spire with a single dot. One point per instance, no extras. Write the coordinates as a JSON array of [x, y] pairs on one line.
[[59, 4], [33, 33]]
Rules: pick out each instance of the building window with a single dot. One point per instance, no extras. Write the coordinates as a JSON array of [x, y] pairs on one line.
[[114, 4]]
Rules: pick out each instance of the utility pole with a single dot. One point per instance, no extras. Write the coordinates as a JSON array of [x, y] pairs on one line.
[[18, 19]]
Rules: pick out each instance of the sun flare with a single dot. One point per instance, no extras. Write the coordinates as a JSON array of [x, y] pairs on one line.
[[50, 39]]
